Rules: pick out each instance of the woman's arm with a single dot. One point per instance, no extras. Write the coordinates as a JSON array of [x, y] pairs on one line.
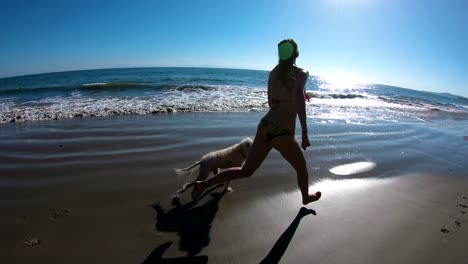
[[269, 91], [301, 80]]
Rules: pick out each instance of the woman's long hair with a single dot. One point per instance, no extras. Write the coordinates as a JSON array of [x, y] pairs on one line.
[[284, 66]]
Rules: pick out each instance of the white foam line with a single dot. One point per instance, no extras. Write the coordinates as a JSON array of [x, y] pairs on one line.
[[93, 84], [364, 133]]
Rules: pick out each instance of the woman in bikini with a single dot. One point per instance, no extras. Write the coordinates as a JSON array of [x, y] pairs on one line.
[[286, 99]]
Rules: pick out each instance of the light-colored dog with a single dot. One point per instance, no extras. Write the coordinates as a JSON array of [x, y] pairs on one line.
[[233, 156]]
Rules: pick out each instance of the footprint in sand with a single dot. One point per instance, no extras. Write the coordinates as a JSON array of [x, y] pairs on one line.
[[59, 213], [445, 235], [462, 196], [456, 222], [32, 242]]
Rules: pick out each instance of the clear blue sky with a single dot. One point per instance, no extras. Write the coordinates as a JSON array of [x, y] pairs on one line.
[[420, 44]]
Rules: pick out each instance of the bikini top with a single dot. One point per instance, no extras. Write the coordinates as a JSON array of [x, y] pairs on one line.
[[283, 91]]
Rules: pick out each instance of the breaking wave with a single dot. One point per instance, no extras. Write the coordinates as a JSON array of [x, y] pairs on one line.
[[143, 91], [214, 98], [185, 98]]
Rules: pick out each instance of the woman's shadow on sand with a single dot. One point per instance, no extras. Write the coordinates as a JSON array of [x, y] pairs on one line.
[[277, 252]]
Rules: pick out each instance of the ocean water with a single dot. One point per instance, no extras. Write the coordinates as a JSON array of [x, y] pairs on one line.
[[141, 91], [391, 130]]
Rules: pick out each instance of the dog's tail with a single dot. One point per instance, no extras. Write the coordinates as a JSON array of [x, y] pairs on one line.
[[183, 170]]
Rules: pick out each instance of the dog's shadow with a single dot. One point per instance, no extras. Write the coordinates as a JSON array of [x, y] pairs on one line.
[[156, 257], [192, 224]]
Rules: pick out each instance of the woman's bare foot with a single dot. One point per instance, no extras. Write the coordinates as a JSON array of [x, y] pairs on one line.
[[197, 191], [311, 198]]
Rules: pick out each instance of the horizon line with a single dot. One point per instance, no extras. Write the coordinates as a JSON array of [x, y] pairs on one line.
[[207, 67], [134, 67]]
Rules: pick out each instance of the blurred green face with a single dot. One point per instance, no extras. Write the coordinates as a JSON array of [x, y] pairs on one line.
[[285, 50]]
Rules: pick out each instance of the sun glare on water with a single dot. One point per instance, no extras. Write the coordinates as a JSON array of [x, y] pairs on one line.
[[340, 79]]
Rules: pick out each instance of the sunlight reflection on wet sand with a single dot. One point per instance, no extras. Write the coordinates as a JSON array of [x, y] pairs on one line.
[[353, 168]]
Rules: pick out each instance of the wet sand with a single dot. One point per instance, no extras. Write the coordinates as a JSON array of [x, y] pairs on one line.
[[99, 191]]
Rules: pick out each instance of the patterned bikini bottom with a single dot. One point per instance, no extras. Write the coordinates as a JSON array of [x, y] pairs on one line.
[[270, 130]]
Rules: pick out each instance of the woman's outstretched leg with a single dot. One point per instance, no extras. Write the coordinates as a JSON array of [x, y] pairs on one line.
[[257, 154], [292, 152]]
